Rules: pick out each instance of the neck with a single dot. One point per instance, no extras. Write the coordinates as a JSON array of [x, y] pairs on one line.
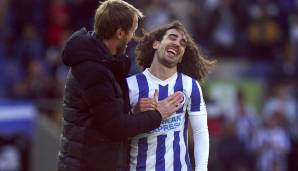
[[160, 71], [111, 44]]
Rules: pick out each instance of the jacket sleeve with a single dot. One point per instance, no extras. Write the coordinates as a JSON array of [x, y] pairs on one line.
[[106, 106]]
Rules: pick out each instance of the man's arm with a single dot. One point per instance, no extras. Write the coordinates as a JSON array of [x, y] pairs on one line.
[[201, 141], [107, 107], [198, 120]]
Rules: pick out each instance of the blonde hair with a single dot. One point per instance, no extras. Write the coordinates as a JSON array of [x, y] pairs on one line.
[[112, 15]]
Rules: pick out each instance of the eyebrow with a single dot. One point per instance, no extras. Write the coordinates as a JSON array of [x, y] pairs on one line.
[[175, 35]]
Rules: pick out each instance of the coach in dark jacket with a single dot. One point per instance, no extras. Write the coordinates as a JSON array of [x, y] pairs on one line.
[[97, 119]]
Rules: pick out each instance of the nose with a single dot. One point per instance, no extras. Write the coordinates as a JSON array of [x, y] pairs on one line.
[[178, 43], [175, 43]]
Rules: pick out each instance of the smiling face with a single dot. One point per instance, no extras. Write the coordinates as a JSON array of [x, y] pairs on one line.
[[170, 50]]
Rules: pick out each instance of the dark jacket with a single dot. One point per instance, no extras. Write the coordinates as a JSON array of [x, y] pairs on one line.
[[97, 122]]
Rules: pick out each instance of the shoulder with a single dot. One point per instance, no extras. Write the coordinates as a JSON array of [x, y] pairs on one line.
[[137, 77], [91, 69], [186, 78], [131, 78], [91, 72], [190, 83], [134, 80]]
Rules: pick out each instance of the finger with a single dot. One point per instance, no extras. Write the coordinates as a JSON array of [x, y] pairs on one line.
[[146, 109], [176, 108], [150, 109], [145, 105], [153, 102], [155, 96], [169, 98], [154, 106], [179, 101], [174, 96], [147, 102], [176, 99], [144, 99], [176, 103], [150, 104], [150, 101]]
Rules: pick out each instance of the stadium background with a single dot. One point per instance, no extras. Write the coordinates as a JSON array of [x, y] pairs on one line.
[[251, 96]]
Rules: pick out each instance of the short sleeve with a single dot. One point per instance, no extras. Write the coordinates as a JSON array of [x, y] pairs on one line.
[[196, 104]]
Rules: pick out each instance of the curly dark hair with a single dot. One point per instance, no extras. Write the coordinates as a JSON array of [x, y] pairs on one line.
[[193, 64]]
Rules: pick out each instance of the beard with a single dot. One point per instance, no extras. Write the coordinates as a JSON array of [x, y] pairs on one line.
[[163, 59], [121, 49], [167, 63]]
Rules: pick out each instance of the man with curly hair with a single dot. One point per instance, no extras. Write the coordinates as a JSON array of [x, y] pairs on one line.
[[171, 62]]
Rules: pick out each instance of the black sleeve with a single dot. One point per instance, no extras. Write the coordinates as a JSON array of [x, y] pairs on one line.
[[107, 107]]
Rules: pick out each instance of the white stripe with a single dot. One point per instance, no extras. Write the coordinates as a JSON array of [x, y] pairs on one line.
[[151, 153], [182, 151], [152, 88], [17, 112], [169, 157], [133, 154], [133, 90], [187, 84], [187, 87], [202, 105], [203, 112]]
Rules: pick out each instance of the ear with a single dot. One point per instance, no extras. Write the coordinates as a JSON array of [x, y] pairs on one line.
[[120, 33], [156, 44]]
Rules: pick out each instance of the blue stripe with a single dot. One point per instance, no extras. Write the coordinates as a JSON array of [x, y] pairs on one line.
[[16, 103], [142, 154], [186, 146], [160, 153], [195, 97], [163, 92], [142, 144], [179, 87], [17, 126], [143, 85], [176, 149]]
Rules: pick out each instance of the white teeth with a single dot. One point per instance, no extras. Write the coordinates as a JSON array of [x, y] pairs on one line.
[[172, 51]]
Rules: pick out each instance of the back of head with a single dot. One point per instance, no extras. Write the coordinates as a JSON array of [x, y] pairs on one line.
[[113, 14]]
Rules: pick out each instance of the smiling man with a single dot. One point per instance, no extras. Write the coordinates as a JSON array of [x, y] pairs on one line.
[[171, 62]]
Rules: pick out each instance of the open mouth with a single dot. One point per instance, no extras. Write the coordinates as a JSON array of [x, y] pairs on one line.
[[172, 51]]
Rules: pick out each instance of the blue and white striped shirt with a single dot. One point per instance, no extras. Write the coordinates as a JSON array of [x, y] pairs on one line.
[[165, 148]]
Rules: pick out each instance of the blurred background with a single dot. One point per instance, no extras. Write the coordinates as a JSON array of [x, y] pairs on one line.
[[251, 96]]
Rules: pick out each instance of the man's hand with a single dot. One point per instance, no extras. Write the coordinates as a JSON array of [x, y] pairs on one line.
[[145, 104], [170, 104], [165, 107]]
